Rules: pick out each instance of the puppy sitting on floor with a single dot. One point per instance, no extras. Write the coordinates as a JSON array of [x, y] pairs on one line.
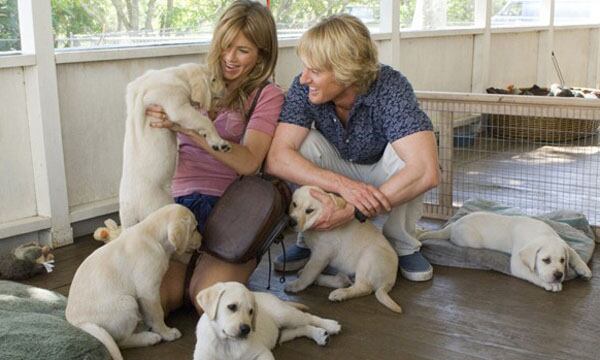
[[538, 254], [122, 279], [354, 248], [240, 324]]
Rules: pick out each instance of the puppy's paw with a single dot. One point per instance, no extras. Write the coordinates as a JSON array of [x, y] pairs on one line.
[[321, 336], [332, 326], [554, 287], [338, 295], [148, 338], [218, 144], [294, 286], [585, 273], [343, 280], [171, 334]]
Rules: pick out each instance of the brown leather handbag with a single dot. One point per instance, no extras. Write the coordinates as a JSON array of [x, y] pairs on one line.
[[247, 219], [249, 216]]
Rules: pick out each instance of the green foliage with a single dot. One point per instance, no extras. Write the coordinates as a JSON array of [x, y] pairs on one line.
[[9, 26], [461, 12], [407, 11], [96, 17]]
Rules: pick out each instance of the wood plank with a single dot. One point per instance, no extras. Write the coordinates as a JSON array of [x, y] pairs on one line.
[[460, 314]]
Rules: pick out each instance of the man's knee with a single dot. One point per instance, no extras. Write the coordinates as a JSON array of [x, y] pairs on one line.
[[314, 146]]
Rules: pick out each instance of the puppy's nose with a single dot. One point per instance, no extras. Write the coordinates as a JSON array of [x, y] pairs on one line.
[[293, 222], [558, 275], [244, 330]]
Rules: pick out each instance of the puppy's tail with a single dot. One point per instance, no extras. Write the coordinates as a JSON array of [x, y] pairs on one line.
[[104, 337], [384, 298], [436, 234]]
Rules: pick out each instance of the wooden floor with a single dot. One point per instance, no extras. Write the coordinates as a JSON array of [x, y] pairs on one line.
[[460, 314]]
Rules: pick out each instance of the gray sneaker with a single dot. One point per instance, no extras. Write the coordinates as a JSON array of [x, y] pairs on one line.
[[415, 267], [295, 259]]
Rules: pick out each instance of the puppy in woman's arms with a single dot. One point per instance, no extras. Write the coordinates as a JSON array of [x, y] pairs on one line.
[[538, 254], [149, 154], [239, 324], [118, 285], [354, 248]]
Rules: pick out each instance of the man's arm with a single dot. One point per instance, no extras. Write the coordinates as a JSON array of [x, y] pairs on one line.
[[421, 171], [285, 161]]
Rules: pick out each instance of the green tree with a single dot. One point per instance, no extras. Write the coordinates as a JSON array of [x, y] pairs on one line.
[[9, 26]]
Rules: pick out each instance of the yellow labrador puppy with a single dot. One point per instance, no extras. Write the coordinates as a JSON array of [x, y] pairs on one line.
[[122, 279], [149, 155], [239, 324], [538, 254], [355, 248]]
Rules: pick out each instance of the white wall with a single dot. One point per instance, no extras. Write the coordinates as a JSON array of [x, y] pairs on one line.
[[17, 188], [92, 111]]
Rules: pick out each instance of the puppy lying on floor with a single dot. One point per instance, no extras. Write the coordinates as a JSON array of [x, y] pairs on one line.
[[538, 254], [149, 154], [355, 248], [122, 279], [240, 324]]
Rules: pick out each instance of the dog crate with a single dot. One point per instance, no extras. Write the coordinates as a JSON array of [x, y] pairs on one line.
[[511, 151]]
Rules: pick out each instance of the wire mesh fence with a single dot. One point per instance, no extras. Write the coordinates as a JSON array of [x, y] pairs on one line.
[[535, 154]]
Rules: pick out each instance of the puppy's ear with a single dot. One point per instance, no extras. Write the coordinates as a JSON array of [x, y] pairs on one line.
[[254, 315], [200, 89], [339, 201], [209, 298], [178, 233], [528, 255]]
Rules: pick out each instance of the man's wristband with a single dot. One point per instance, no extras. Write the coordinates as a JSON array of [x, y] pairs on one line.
[[359, 216]]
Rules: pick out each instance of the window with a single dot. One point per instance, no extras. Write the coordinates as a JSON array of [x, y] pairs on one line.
[[118, 23], [528, 12], [9, 26], [570, 12], [436, 14], [516, 13], [295, 16]]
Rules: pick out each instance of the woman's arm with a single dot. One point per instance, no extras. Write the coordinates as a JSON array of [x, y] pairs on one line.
[[245, 159]]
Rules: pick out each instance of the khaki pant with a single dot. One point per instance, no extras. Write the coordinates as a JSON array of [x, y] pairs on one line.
[[399, 224]]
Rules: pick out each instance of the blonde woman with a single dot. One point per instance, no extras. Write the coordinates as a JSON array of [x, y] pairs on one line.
[[243, 52], [371, 143]]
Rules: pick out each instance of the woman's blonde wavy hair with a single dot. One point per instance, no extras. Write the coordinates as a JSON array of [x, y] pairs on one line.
[[342, 44], [257, 24]]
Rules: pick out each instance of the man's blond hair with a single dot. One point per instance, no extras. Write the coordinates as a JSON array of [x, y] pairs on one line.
[[342, 44]]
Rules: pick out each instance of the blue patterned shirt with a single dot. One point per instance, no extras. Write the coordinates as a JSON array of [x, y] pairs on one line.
[[387, 112]]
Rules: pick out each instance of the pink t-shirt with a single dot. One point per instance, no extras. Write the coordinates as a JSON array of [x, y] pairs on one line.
[[198, 171]]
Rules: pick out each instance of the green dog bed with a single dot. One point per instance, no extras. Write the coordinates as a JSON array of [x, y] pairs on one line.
[[33, 326], [571, 226]]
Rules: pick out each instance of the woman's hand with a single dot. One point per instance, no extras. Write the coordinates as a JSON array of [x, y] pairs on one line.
[[365, 197], [161, 120], [332, 215]]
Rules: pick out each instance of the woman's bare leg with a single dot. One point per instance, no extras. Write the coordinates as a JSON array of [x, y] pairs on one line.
[[173, 286], [211, 270]]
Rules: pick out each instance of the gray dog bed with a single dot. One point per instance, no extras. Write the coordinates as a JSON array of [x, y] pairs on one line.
[[33, 326], [571, 226]]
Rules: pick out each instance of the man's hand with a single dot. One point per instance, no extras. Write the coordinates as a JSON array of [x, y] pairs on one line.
[[366, 198], [332, 215]]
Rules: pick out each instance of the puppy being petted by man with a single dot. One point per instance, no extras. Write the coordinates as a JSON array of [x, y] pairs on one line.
[[371, 144]]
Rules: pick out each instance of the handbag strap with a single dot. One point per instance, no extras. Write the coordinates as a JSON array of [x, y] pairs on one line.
[[255, 100], [251, 111]]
